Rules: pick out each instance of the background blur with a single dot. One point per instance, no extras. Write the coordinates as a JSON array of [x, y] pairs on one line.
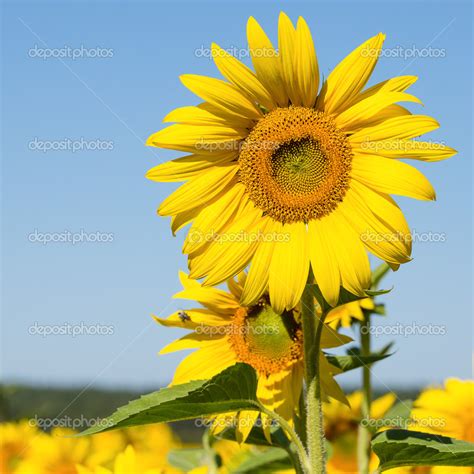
[[74, 128]]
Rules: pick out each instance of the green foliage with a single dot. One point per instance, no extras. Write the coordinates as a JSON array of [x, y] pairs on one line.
[[354, 360], [261, 462], [233, 389], [397, 448]]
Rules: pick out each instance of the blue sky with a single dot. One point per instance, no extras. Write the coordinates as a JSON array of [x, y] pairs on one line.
[[99, 107]]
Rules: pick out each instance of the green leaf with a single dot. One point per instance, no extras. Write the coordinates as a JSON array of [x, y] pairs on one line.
[[233, 389], [378, 274], [373, 293], [268, 461], [187, 459], [354, 360], [257, 437], [397, 448], [344, 297], [379, 309], [398, 415]]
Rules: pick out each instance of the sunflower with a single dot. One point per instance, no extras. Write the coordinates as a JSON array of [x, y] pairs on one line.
[[345, 314], [448, 410], [445, 411], [225, 332], [341, 430], [282, 175]]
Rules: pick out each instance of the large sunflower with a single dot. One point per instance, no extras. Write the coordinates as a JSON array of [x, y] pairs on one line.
[[281, 176], [224, 333]]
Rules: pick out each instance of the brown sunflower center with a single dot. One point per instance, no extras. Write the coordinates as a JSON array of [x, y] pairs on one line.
[[295, 164], [268, 341]]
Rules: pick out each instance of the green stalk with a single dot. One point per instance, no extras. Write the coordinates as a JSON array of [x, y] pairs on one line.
[[299, 451], [312, 330], [364, 435]]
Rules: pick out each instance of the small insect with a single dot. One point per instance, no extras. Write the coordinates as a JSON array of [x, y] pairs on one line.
[[183, 316], [262, 301]]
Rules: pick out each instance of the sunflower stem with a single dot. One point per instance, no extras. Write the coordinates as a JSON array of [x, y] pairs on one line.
[[312, 330], [365, 436], [303, 463]]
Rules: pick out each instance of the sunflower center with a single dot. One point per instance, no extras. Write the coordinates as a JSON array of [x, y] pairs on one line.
[[299, 166], [268, 341], [295, 164]]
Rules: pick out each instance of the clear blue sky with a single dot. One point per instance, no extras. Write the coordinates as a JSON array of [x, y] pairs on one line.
[[119, 100]]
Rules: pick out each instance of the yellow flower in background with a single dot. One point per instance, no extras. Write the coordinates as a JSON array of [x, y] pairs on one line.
[[341, 428], [284, 175], [126, 462], [56, 453], [225, 332], [345, 314], [447, 411], [15, 439]]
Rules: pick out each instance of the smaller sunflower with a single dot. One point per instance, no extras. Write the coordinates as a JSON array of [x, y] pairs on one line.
[[345, 314], [341, 430], [447, 411], [224, 333]]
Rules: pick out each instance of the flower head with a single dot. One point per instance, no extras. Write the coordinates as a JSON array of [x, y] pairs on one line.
[[224, 332], [284, 174]]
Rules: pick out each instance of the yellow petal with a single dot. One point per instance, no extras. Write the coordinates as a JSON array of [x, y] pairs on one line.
[[388, 112], [181, 219], [222, 95], [331, 338], [198, 139], [289, 266], [198, 190], [206, 362], [187, 167], [190, 341], [394, 84], [287, 50], [405, 126], [245, 423], [194, 318], [407, 149], [307, 71], [392, 177], [266, 62], [379, 222], [231, 251], [215, 299], [369, 108], [350, 76], [242, 77], [323, 259], [257, 278], [213, 217]]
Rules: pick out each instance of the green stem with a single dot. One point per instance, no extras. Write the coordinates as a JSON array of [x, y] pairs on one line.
[[365, 436], [312, 330], [298, 445]]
